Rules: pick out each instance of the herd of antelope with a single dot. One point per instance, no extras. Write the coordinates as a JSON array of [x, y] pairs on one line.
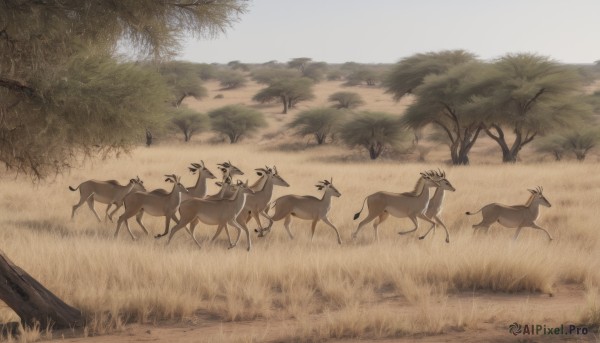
[[237, 203]]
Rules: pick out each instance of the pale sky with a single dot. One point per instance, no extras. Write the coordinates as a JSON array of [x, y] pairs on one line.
[[384, 31]]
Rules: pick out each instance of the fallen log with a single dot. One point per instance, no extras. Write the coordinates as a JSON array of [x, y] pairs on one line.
[[33, 302]]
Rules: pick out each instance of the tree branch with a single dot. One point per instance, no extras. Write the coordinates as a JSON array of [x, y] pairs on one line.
[[17, 87], [530, 102]]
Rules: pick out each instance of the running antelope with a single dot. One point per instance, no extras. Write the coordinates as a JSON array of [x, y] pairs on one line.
[[516, 216], [434, 208], [199, 189], [107, 192], [214, 212], [156, 204], [257, 202], [306, 207], [227, 189], [410, 204]]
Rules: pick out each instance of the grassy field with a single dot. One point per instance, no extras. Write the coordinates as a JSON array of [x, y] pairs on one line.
[[298, 290]]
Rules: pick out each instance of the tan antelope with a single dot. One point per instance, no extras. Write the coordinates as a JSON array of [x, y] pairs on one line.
[[107, 192], [257, 202], [306, 207], [155, 204], [214, 212], [409, 204], [434, 208], [516, 216], [199, 189], [227, 189]]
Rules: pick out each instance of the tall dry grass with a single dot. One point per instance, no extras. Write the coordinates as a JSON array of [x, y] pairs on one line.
[[349, 287]]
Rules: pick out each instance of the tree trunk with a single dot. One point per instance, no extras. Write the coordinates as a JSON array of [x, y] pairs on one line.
[[285, 105], [557, 156], [32, 302], [148, 138], [187, 136], [375, 150], [320, 138]]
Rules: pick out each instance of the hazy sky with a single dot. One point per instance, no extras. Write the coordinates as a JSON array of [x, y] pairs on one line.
[[383, 31]]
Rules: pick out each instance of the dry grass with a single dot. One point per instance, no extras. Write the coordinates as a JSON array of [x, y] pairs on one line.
[[352, 287], [398, 287]]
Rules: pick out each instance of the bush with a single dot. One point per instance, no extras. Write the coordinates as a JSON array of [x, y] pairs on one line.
[[236, 121]]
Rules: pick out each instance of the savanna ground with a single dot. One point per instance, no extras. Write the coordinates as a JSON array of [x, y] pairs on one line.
[[399, 288]]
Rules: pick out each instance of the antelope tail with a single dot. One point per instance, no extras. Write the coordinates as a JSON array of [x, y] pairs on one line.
[[74, 189], [470, 214], [356, 215]]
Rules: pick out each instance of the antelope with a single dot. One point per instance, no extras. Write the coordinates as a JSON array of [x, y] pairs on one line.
[[516, 216], [107, 192], [434, 208], [214, 212], [409, 204], [257, 202], [227, 190], [156, 204], [306, 207], [199, 189]]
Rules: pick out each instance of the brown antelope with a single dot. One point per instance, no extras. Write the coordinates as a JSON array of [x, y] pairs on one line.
[[516, 216], [214, 212], [226, 168], [410, 204], [257, 202], [156, 204], [434, 208], [199, 189], [107, 192], [306, 207]]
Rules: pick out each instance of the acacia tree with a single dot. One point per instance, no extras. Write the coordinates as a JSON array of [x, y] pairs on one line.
[[184, 81], [299, 63], [374, 131], [268, 76], [533, 95], [236, 121], [444, 85], [580, 142], [189, 122], [231, 79], [288, 91], [365, 75], [347, 100], [449, 101], [319, 122], [61, 90], [409, 72], [554, 144]]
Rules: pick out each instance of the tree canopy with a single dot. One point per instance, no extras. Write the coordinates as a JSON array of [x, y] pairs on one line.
[[318, 122], [236, 121], [62, 91], [374, 131], [347, 100], [289, 91], [189, 122], [183, 79]]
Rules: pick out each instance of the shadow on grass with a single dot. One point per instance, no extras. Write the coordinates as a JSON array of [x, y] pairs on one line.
[[58, 227]]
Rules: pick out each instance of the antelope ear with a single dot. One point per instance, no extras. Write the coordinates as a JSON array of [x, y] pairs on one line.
[[319, 187], [223, 170], [532, 191], [168, 180], [219, 183], [259, 173], [193, 170], [132, 181]]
